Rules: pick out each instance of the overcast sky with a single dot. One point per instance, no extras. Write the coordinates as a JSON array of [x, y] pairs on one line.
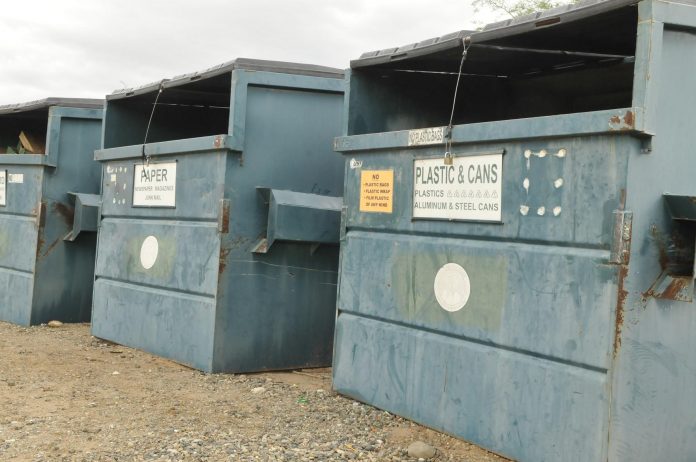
[[88, 48]]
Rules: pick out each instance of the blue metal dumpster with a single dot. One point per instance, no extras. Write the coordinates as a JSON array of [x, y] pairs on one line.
[[46, 270], [523, 277], [218, 241]]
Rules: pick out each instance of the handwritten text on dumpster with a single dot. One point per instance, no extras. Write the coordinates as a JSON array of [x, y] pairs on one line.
[[470, 189], [154, 185]]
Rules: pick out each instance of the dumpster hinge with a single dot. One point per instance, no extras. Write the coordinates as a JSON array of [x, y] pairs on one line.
[[621, 239]]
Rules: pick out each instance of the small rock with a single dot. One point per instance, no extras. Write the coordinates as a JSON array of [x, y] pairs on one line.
[[258, 390], [115, 373], [55, 324], [421, 450]]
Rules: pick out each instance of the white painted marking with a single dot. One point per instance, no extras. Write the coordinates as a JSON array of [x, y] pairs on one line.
[[558, 183], [355, 163], [114, 200], [556, 211], [542, 153], [3, 188], [541, 211], [527, 154], [452, 287], [113, 178], [525, 185], [561, 153], [148, 252], [16, 178], [524, 209]]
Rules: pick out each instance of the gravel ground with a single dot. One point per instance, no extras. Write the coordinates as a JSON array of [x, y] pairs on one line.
[[67, 396]]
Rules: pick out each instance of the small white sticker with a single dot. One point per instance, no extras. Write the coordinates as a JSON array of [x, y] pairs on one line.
[[149, 251], [154, 185], [452, 287], [16, 178], [354, 163], [424, 136], [113, 178], [3, 188]]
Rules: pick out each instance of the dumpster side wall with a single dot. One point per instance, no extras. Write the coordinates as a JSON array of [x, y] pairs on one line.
[[19, 224], [65, 270], [654, 390], [277, 310]]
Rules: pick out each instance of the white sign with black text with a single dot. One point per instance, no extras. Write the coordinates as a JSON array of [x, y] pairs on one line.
[[154, 185], [470, 189], [3, 188]]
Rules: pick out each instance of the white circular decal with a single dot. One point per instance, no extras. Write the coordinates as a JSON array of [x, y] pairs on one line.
[[148, 252], [452, 287]]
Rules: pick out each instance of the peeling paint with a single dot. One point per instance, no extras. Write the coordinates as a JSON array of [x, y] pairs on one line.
[[622, 122]]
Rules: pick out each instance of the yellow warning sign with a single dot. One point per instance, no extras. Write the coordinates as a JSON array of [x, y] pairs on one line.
[[376, 190]]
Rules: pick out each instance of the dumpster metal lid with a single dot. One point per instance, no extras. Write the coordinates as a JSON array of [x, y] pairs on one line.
[[48, 102], [227, 67], [451, 44]]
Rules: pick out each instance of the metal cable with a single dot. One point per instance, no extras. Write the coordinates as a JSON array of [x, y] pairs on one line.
[[146, 159], [448, 143]]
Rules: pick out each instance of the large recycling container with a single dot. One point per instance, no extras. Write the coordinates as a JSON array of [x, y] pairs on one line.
[[217, 245], [46, 269], [532, 291]]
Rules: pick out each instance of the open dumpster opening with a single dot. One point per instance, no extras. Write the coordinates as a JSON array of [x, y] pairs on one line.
[[23, 132], [195, 109], [515, 69]]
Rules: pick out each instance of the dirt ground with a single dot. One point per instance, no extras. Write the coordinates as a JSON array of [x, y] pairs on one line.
[[67, 396]]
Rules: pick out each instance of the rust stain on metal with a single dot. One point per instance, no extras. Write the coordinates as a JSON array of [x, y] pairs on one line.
[[225, 228], [661, 247], [623, 123], [51, 247], [223, 260], [674, 288], [42, 224], [620, 304], [67, 213]]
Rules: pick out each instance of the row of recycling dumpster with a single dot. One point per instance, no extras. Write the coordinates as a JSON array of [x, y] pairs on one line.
[[515, 210]]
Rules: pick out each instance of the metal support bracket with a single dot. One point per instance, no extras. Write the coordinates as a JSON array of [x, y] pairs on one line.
[[300, 217], [86, 216]]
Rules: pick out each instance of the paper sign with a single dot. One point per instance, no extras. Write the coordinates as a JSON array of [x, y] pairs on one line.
[[376, 190], [470, 189], [154, 185]]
